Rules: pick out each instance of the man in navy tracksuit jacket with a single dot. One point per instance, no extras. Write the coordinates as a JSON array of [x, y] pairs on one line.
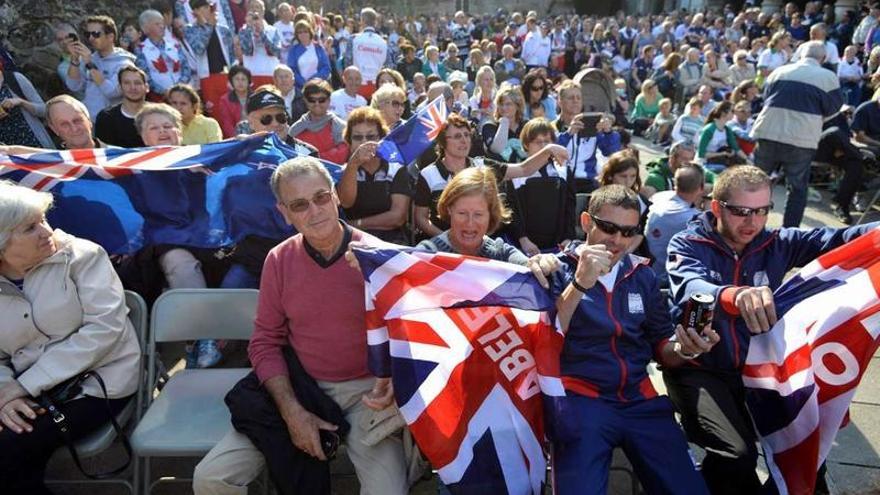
[[615, 321], [729, 253]]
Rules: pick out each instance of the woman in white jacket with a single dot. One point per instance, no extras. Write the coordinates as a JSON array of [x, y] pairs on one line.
[[63, 314]]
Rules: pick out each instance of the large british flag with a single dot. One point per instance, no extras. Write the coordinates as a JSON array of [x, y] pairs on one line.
[[470, 347], [125, 199], [802, 375]]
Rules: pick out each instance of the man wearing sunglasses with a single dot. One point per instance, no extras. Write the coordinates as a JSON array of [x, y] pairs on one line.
[[94, 73], [615, 321], [266, 113], [729, 252]]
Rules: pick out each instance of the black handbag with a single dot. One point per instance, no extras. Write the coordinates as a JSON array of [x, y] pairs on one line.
[[53, 401]]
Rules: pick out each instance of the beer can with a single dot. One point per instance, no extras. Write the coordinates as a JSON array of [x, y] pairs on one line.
[[698, 311]]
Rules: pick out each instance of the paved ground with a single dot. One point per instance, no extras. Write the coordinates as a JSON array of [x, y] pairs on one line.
[[853, 465]]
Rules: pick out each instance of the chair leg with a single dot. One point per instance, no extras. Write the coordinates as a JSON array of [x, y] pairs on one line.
[[869, 207], [147, 475], [135, 475]]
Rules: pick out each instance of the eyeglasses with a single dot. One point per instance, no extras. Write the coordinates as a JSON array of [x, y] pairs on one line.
[[745, 211], [612, 228], [395, 103], [316, 100], [94, 34], [537, 88], [364, 137], [281, 118], [321, 198], [460, 135]]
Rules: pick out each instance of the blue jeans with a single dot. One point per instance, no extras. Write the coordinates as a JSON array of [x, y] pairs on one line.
[[239, 278], [795, 163], [647, 433]]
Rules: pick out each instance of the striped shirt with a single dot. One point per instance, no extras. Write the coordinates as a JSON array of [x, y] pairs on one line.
[[798, 98]]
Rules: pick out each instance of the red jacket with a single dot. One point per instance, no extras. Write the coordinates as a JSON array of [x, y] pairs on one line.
[[323, 141], [228, 114]]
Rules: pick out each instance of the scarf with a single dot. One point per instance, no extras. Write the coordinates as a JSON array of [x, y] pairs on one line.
[[309, 123]]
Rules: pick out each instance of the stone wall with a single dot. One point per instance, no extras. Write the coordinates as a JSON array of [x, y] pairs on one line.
[[26, 26]]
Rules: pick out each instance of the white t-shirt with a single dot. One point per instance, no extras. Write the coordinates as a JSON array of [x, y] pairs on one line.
[[341, 104], [261, 63], [307, 64], [286, 32]]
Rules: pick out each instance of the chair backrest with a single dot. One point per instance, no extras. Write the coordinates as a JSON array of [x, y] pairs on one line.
[[137, 313], [193, 314]]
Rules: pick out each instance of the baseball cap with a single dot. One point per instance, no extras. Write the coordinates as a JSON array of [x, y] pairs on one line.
[[264, 99]]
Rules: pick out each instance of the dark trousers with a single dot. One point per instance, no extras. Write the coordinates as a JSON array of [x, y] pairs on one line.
[[648, 435], [836, 148], [23, 456], [714, 416], [795, 162]]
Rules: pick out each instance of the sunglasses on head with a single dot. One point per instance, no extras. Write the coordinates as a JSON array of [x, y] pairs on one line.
[[745, 211], [281, 118], [612, 228], [322, 99], [320, 198], [94, 34]]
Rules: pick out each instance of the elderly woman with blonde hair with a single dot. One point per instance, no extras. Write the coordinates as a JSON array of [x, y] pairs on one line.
[[64, 315]]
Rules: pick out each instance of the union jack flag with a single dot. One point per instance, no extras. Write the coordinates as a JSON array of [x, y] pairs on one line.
[[470, 347], [409, 140], [802, 375]]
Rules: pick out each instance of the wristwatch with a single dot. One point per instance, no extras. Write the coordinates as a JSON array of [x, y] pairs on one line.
[[91, 66]]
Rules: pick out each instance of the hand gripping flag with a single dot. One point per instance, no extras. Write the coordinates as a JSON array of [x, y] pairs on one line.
[[204, 196], [470, 347], [409, 140], [801, 376]]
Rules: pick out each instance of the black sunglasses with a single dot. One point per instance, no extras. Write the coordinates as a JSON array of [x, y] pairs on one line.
[[94, 34], [281, 118], [316, 100], [612, 228], [745, 211]]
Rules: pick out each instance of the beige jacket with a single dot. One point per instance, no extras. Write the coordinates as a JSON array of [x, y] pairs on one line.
[[70, 318]]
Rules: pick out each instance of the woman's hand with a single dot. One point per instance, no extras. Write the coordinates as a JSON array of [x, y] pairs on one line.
[[542, 265], [558, 153], [528, 246], [364, 153], [10, 391], [10, 103], [16, 413]]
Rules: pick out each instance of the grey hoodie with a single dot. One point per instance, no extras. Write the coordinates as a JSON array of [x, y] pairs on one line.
[[98, 97]]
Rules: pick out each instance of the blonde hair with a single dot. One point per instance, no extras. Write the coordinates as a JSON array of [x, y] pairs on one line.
[[478, 91], [515, 95], [475, 180], [744, 177]]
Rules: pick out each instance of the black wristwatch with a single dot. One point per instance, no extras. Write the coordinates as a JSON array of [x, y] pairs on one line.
[[91, 66], [578, 286]]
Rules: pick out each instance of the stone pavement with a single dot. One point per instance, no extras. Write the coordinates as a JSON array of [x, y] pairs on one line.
[[853, 465]]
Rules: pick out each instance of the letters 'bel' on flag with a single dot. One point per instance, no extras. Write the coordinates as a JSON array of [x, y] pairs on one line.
[[802, 375], [472, 353], [409, 140]]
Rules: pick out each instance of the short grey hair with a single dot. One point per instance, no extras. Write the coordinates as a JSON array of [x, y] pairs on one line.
[[150, 15], [815, 50], [17, 205], [76, 104], [369, 16], [296, 167], [157, 108]]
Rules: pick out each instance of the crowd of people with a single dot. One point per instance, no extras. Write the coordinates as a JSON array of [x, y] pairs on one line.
[[524, 170]]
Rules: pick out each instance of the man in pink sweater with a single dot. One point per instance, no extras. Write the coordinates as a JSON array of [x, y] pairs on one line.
[[312, 300]]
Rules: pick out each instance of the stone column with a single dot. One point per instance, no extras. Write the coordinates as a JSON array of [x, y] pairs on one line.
[[771, 6], [841, 6]]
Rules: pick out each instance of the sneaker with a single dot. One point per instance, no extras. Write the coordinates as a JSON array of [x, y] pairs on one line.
[[209, 353], [191, 356], [843, 215]]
